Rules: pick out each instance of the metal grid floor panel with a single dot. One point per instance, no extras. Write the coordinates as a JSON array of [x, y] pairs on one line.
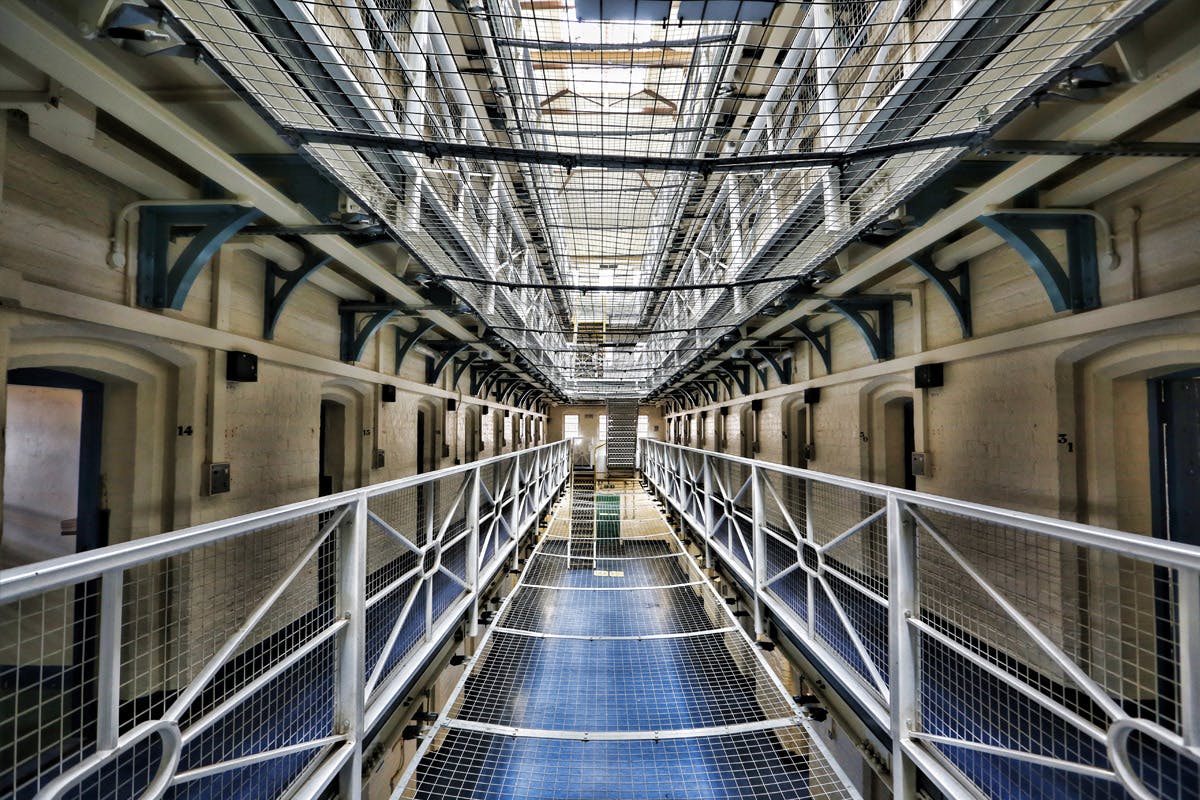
[[636, 612], [610, 573], [778, 764], [700, 681]]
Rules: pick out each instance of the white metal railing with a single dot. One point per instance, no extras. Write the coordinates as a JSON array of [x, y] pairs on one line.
[[1008, 655], [251, 656]]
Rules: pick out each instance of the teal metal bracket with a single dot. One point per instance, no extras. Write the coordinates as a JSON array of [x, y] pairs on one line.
[[355, 335], [407, 340], [779, 361], [479, 375], [163, 285], [446, 352], [527, 396], [280, 283], [490, 382], [709, 388], [460, 366], [725, 380], [954, 284], [878, 333], [818, 340], [511, 390], [1077, 287], [739, 373]]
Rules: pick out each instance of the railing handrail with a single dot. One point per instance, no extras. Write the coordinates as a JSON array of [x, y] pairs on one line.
[[1161, 551], [29, 579]]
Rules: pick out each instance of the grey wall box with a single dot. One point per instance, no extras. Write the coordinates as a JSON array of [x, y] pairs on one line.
[[241, 367], [217, 478]]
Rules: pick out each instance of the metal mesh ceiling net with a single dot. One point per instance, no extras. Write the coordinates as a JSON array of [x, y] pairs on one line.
[[612, 195]]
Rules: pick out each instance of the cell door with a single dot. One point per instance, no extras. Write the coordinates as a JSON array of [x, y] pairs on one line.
[[1174, 406]]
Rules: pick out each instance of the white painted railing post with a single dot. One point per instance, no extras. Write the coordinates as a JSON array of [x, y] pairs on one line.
[[709, 522], [475, 478], [1189, 656], [351, 642], [902, 643], [760, 556], [108, 692], [516, 487]]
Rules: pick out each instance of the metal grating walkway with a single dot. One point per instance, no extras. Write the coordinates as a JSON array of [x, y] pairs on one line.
[[628, 680]]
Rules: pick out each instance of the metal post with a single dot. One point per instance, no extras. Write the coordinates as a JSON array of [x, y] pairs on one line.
[[1189, 656], [902, 642], [109, 666], [515, 488], [473, 548], [709, 522], [760, 559], [351, 644], [809, 578]]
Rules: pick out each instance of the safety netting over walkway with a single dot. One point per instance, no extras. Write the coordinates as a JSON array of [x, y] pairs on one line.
[[626, 677]]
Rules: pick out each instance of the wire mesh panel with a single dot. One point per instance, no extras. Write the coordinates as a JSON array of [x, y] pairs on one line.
[[614, 196], [220, 661], [1028, 657]]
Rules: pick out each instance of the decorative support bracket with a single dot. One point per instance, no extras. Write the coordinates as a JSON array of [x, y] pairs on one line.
[[447, 351], [725, 380], [740, 373], [355, 336], [511, 390], [959, 295], [407, 340], [819, 340], [163, 286], [709, 388], [1078, 286], [479, 375], [490, 382], [526, 397], [879, 335], [461, 366], [781, 365], [276, 297]]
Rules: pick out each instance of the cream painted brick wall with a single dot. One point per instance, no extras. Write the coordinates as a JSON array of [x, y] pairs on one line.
[[57, 218]]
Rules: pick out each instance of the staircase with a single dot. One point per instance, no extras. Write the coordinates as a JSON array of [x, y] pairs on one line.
[[621, 445], [581, 547]]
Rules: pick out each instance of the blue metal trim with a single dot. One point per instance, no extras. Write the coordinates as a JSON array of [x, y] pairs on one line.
[[879, 337], [958, 295], [407, 340], [1077, 287], [354, 339], [433, 369], [162, 286], [819, 340], [275, 299]]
